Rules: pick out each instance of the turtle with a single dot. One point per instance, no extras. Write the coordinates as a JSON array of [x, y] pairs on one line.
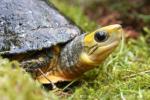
[[50, 45]]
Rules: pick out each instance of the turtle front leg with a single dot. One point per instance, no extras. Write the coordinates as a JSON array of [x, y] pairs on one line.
[[35, 66]]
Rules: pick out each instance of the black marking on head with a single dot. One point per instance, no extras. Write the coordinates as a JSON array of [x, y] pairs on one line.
[[93, 49]]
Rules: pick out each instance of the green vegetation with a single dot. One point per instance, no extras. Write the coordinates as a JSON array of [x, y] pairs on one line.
[[125, 75], [16, 84]]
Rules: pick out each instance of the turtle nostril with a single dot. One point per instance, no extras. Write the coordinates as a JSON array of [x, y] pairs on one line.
[[100, 36]]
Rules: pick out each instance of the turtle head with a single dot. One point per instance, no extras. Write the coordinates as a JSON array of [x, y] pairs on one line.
[[100, 43]]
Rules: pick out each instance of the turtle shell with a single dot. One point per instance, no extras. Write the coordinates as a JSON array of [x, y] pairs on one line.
[[27, 25]]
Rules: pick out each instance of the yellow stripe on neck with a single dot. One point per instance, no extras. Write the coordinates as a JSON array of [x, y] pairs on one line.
[[84, 58]]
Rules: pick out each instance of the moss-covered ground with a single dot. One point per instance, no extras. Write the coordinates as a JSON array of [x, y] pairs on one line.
[[125, 75]]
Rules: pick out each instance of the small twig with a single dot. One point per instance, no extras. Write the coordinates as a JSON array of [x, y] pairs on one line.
[[53, 85], [69, 84], [140, 73]]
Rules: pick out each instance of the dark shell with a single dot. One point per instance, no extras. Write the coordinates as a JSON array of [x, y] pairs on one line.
[[27, 25]]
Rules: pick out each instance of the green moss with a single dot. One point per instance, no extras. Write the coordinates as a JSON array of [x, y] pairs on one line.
[[16, 84]]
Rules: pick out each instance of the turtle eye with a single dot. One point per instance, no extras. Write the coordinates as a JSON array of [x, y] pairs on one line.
[[100, 36]]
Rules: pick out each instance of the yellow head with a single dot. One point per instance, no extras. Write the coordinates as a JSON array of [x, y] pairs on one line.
[[100, 43]]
